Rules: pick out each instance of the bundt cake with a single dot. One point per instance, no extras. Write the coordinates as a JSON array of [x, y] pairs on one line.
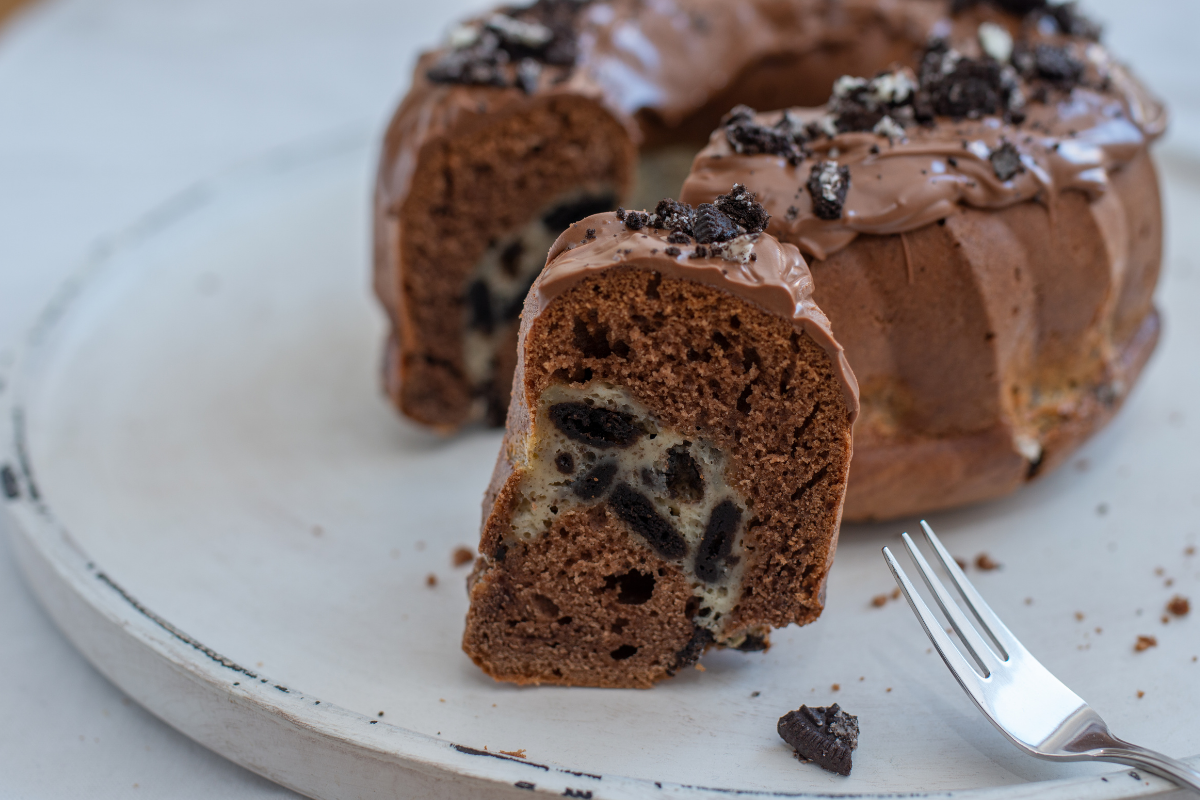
[[985, 233], [530, 118], [675, 459]]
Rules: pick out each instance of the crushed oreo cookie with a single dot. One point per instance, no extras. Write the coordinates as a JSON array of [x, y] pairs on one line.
[[713, 553], [636, 220], [511, 48], [826, 736], [881, 105], [952, 85], [1011, 6], [1006, 161], [748, 137], [691, 652], [713, 225], [1072, 22], [595, 427], [638, 512], [828, 185], [741, 206], [1052, 63], [676, 217]]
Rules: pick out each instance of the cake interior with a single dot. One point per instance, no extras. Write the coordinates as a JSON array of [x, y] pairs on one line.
[[500, 279], [597, 444]]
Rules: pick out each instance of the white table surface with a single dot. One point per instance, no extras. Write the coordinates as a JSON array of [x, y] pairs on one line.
[[109, 107]]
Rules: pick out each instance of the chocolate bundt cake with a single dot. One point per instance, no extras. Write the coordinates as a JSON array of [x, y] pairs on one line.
[[1033, 255], [986, 235], [676, 453]]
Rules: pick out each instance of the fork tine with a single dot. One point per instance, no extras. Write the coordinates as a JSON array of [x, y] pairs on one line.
[[966, 675], [962, 626], [997, 630]]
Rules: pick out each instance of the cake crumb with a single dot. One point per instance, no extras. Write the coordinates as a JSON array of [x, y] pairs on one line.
[[1079, 616], [514, 753], [431, 580], [836, 687], [700, 668], [879, 600], [1189, 551], [1141, 694], [986, 563], [1145, 643], [889, 688], [1165, 619], [462, 556], [1028, 601], [1179, 605], [896, 593]]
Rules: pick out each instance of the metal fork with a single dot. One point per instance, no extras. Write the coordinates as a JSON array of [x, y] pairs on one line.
[[1031, 707]]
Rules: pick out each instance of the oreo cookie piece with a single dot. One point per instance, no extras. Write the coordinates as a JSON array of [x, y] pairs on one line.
[[748, 137], [713, 225], [1006, 161], [741, 206], [828, 185], [826, 736], [596, 427], [676, 217]]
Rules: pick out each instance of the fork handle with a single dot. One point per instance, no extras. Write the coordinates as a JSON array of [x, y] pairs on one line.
[[1172, 769]]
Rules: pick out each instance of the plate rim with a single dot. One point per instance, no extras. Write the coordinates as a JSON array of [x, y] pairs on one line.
[[105, 623]]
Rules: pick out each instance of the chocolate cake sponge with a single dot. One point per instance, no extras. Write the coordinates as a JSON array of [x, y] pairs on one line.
[[675, 459]]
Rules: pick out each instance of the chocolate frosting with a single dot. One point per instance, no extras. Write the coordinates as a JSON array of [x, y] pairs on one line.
[[670, 57], [1071, 143], [775, 277]]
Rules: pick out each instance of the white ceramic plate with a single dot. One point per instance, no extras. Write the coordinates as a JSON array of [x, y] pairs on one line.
[[216, 505]]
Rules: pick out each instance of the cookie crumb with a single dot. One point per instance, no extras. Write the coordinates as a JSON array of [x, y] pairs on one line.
[[514, 753], [879, 600], [1145, 643], [1141, 694], [700, 668], [431, 580], [986, 563], [462, 556], [896, 593], [1006, 161], [1079, 616], [836, 687], [1179, 605]]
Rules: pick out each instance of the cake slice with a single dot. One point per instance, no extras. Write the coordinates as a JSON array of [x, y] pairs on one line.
[[676, 453]]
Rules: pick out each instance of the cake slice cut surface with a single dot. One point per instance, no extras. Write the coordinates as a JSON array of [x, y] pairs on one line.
[[676, 453]]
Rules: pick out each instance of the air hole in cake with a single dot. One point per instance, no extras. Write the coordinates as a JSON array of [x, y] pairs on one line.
[[633, 588], [668, 491], [623, 652], [496, 289]]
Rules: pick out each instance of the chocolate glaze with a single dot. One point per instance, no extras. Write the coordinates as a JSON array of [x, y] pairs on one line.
[[1071, 143], [777, 278], [668, 58]]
